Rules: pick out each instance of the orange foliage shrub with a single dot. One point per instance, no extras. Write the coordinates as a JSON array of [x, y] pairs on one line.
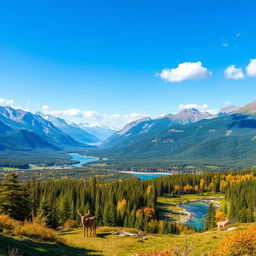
[[149, 213], [7, 223], [36, 231], [138, 213], [240, 243], [32, 230], [70, 224]]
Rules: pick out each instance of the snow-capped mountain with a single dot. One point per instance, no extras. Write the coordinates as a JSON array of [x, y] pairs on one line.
[[99, 130]]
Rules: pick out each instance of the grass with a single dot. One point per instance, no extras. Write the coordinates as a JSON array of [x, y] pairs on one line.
[[30, 247], [168, 206], [107, 244]]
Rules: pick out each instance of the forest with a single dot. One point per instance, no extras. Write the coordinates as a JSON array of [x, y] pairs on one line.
[[125, 202]]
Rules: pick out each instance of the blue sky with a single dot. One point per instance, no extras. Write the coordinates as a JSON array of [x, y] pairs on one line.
[[98, 60]]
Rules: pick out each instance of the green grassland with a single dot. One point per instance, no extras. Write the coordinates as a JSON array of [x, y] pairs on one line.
[[106, 244]]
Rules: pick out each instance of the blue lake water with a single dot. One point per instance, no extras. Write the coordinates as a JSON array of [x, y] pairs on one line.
[[83, 159], [145, 176], [199, 212]]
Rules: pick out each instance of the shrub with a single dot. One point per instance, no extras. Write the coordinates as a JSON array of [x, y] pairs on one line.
[[36, 231], [32, 230], [240, 243], [70, 224], [7, 223]]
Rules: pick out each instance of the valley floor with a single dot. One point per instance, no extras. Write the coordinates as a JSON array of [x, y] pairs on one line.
[[169, 209]]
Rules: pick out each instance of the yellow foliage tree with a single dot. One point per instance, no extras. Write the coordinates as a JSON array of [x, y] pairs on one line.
[[149, 189], [176, 189], [188, 188], [202, 184], [220, 216], [121, 206]]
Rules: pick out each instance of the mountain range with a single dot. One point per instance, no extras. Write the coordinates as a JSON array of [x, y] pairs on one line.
[[190, 136], [24, 131]]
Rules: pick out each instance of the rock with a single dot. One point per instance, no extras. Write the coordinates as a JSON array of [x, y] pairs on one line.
[[123, 233]]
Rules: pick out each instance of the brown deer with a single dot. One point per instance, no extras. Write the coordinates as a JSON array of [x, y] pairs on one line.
[[88, 223], [222, 223]]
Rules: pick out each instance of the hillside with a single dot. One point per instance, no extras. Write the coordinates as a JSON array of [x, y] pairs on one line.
[[228, 139], [146, 127], [106, 244], [19, 119], [72, 130]]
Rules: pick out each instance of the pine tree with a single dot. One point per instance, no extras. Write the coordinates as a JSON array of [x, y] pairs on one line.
[[14, 198], [65, 209], [210, 219], [109, 216]]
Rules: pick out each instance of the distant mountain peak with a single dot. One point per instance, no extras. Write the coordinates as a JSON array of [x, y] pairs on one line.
[[132, 124], [191, 115], [227, 110], [248, 109]]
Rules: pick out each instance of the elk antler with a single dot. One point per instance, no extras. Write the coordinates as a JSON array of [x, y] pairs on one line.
[[88, 213], [79, 213]]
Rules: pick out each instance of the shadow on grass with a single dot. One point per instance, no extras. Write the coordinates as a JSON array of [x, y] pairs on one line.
[[103, 235], [32, 248]]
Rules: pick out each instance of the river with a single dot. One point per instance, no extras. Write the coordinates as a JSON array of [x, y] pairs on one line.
[[198, 212]]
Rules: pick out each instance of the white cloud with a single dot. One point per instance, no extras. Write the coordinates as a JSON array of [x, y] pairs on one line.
[[251, 68], [232, 72], [5, 102], [225, 44], [226, 102], [201, 108], [116, 121], [185, 71]]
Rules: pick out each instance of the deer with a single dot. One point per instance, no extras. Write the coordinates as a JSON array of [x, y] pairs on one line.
[[88, 223], [222, 223]]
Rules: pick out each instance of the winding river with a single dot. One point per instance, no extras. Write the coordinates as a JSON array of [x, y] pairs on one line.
[[198, 211]]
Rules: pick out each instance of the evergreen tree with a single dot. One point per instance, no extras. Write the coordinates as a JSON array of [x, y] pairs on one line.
[[210, 219], [14, 198], [65, 209], [109, 216]]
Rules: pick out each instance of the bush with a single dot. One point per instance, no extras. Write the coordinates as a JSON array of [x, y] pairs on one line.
[[7, 223], [32, 230], [36, 231], [70, 224], [240, 243]]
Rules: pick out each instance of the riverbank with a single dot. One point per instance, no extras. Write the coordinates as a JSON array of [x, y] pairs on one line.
[[170, 207]]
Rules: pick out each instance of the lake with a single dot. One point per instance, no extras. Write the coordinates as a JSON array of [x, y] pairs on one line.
[[83, 159], [147, 176], [199, 212]]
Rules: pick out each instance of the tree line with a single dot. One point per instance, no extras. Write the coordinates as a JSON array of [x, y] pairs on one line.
[[128, 203]]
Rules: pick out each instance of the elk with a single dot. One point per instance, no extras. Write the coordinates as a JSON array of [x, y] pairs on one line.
[[222, 223], [88, 223]]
